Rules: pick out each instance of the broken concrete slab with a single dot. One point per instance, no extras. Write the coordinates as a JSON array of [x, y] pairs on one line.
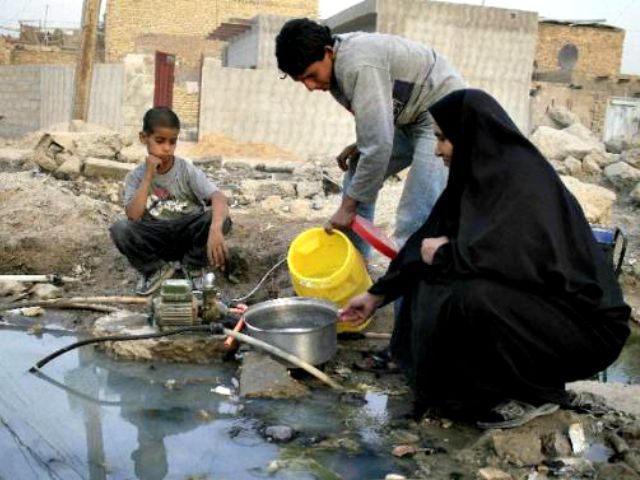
[[559, 144], [262, 189], [91, 144], [574, 166], [98, 167], [135, 153], [46, 291], [11, 287], [13, 158], [622, 175], [71, 168], [632, 157], [601, 158], [180, 348], [590, 166], [562, 116], [597, 202], [263, 377], [619, 396]]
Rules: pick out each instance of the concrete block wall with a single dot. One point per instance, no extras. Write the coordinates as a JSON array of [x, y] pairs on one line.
[[257, 106], [242, 51], [139, 85], [599, 49], [106, 89], [126, 20], [20, 96], [492, 48], [256, 47], [33, 97]]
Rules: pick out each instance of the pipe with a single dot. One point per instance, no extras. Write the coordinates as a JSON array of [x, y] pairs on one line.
[[50, 278], [213, 328], [255, 289], [118, 338]]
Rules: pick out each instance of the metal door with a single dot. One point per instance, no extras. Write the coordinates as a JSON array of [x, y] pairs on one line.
[[163, 92], [623, 119]]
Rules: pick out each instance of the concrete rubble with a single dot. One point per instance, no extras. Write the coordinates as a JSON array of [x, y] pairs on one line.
[[58, 198]]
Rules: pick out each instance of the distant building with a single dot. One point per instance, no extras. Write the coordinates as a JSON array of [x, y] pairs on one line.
[[132, 24], [588, 48]]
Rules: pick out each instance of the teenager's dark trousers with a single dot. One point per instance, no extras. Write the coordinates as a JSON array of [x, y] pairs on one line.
[[149, 243]]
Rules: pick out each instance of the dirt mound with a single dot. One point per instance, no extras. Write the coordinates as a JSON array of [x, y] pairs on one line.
[[219, 144], [45, 228]]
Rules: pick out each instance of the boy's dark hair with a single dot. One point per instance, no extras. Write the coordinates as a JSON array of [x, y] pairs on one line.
[[300, 43], [159, 117]]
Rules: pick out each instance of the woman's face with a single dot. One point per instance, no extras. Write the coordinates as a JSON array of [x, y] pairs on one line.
[[444, 148]]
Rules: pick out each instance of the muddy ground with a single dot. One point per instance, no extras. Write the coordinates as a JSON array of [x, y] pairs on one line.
[[60, 226]]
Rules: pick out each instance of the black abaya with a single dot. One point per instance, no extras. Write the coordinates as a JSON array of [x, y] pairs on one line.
[[521, 300]]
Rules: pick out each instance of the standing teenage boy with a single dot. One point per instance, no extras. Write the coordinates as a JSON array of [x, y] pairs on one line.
[[167, 219], [388, 83]]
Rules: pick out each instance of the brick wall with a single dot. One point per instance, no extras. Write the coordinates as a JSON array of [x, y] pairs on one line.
[[185, 104], [589, 102], [188, 50], [599, 49], [43, 57], [5, 52], [126, 20]]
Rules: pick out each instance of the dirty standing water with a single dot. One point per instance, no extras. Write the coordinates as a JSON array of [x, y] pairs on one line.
[[93, 417]]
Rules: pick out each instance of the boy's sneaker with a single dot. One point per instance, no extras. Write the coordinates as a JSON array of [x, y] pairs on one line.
[[147, 284], [513, 413]]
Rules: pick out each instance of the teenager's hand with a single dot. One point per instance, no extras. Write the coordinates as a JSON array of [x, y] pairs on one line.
[[430, 246], [349, 154], [216, 249], [360, 308], [152, 163], [342, 220]]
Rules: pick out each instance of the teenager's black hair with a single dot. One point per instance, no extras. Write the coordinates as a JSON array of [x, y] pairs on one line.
[[159, 117], [300, 43]]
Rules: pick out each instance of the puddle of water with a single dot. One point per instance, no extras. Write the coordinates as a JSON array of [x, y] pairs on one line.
[[626, 368], [155, 421]]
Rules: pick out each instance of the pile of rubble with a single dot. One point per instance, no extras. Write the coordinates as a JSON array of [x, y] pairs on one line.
[[575, 151]]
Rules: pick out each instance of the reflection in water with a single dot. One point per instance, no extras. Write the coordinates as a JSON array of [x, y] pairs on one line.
[[93, 417], [98, 418]]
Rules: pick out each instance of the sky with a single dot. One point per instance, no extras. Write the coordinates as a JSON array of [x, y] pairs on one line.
[[621, 13]]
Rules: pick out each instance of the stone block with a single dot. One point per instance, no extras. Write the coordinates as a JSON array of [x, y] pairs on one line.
[[559, 144], [99, 167], [263, 377], [518, 448], [70, 169], [622, 175], [597, 202]]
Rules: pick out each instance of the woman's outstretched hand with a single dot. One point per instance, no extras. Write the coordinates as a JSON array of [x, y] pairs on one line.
[[430, 246], [360, 308]]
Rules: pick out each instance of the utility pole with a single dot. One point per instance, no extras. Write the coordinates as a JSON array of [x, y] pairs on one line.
[[86, 59]]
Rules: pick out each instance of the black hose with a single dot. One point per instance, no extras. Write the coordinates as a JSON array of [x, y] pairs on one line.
[[212, 328]]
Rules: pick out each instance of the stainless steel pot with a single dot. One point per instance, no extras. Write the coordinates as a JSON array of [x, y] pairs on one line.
[[304, 327]]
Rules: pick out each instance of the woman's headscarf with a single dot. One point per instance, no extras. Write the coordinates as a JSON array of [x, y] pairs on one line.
[[507, 212]]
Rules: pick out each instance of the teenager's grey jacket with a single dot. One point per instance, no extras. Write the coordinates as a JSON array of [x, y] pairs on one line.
[[385, 80]]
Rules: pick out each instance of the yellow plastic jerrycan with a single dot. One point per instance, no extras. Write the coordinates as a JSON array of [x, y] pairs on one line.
[[328, 266]]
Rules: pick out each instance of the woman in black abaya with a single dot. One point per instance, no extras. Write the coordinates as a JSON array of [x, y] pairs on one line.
[[507, 296]]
